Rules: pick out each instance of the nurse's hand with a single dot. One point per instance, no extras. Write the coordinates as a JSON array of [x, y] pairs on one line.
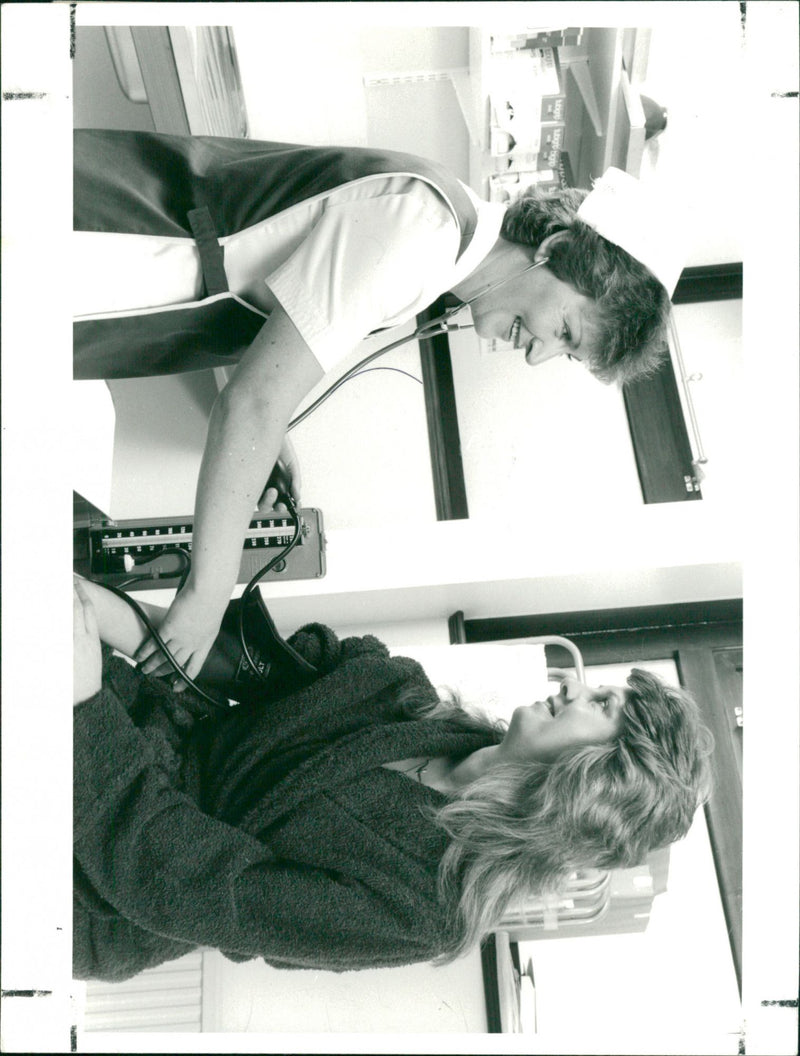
[[290, 460], [189, 630], [87, 659], [268, 503]]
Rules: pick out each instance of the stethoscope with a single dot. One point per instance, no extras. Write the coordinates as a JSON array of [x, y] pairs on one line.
[[433, 328]]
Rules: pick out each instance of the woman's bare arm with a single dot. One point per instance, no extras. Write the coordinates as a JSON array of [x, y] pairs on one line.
[[117, 623]]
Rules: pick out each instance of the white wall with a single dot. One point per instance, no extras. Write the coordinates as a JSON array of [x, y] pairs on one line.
[[423, 116], [284, 64], [696, 69], [364, 454], [255, 998], [281, 59], [160, 434]]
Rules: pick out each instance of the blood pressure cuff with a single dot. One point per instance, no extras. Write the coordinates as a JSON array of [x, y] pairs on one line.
[[273, 669]]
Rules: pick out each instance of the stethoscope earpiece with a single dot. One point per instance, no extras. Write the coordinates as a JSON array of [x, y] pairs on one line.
[[502, 282]]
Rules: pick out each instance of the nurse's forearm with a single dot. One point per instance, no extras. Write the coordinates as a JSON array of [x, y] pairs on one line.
[[245, 433], [244, 439]]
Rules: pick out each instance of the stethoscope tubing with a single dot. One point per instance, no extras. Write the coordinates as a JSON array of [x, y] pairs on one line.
[[432, 328], [428, 330]]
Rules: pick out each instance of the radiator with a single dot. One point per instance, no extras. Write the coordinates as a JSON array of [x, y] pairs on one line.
[[167, 998]]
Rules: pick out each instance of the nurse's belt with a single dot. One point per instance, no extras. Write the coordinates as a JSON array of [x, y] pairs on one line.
[[646, 221]]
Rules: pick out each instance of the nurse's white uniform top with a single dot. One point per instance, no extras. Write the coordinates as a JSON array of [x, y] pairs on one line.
[[367, 255]]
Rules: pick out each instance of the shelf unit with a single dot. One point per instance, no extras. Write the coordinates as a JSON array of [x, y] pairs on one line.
[[605, 123]]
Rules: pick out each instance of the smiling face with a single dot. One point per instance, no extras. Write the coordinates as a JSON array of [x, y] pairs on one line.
[[574, 717], [535, 310]]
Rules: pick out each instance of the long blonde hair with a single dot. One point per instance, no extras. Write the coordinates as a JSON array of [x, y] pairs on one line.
[[522, 829]]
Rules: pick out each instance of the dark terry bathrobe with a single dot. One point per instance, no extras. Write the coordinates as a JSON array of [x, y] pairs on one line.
[[272, 831]]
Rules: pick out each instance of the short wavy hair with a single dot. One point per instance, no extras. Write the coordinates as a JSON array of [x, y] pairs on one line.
[[522, 830], [632, 305]]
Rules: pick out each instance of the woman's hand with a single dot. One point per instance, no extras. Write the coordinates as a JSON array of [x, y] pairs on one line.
[[87, 659], [188, 631]]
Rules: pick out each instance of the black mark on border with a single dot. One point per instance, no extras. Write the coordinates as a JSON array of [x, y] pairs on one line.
[[26, 993], [73, 1038], [786, 1003], [72, 8], [783, 95], [24, 95]]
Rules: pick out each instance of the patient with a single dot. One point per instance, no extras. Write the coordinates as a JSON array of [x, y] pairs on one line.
[[356, 822]]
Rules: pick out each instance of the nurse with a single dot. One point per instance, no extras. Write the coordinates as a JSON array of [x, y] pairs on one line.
[[194, 252]]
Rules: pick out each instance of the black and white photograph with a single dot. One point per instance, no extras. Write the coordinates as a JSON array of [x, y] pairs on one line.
[[428, 453]]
